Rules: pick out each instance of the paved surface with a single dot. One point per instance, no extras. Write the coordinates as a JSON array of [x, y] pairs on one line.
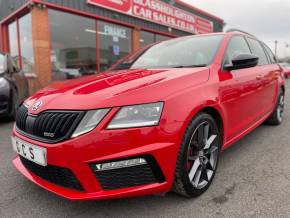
[[253, 180]]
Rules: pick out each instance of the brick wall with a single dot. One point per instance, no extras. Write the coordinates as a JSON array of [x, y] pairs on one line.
[[41, 49]]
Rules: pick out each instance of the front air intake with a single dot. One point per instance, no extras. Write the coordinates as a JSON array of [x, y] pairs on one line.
[[57, 175], [128, 173]]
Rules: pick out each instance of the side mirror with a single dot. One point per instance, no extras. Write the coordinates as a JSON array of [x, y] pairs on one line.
[[242, 61]]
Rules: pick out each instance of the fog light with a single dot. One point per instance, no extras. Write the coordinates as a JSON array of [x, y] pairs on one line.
[[119, 164]]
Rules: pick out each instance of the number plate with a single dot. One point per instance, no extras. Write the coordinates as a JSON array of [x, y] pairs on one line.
[[31, 152]]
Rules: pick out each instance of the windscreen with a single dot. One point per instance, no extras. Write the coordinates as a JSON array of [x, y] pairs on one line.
[[194, 51]]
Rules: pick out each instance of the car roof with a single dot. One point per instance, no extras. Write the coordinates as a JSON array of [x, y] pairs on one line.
[[228, 32]]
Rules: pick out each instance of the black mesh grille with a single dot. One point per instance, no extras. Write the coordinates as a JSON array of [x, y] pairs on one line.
[[128, 177], [49, 126], [56, 175], [21, 117]]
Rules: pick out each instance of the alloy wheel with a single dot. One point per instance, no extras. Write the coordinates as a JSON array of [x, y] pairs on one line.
[[202, 155], [280, 109]]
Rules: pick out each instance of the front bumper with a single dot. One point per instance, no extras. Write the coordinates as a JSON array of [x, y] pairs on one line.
[[108, 145], [98, 195]]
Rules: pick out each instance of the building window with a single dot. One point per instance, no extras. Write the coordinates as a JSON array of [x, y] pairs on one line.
[[26, 47], [73, 45], [26, 62], [13, 42], [115, 43], [146, 38], [160, 38]]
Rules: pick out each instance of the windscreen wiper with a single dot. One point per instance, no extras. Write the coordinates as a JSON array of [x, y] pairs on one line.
[[189, 66], [123, 66]]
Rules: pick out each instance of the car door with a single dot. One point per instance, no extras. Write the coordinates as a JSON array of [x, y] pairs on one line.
[[267, 77], [238, 91], [273, 73]]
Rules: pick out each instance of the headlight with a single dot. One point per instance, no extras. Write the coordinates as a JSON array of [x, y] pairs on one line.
[[137, 116], [90, 121]]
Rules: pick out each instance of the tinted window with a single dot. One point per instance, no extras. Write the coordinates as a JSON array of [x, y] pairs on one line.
[[26, 47], [115, 43], [146, 38], [258, 50], [237, 45], [73, 45], [270, 54], [182, 52]]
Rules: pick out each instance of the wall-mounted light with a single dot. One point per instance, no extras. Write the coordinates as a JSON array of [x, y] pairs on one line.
[[12, 7], [38, 5], [31, 5]]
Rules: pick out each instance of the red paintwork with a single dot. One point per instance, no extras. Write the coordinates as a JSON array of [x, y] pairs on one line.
[[242, 99]]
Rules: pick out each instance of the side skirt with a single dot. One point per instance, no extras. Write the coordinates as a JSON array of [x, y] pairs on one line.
[[244, 133]]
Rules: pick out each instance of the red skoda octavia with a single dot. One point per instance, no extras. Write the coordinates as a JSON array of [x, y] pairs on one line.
[[156, 121]]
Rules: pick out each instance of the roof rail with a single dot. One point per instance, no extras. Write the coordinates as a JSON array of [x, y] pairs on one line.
[[241, 31]]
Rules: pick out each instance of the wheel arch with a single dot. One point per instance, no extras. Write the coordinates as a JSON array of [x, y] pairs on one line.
[[213, 109], [215, 113]]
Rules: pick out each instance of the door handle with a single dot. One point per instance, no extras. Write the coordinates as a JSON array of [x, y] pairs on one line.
[[259, 77]]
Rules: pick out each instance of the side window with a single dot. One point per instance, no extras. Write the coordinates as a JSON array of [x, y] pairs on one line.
[[258, 50], [237, 45], [270, 54]]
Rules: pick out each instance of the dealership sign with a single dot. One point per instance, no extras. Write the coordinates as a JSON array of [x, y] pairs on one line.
[[158, 12]]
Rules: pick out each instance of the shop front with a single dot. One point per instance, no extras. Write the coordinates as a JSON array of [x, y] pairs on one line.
[[61, 40]]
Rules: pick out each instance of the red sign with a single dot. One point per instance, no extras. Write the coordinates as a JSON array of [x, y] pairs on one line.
[[118, 5], [158, 12]]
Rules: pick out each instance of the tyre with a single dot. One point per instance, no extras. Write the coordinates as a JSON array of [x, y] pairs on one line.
[[276, 117], [198, 156]]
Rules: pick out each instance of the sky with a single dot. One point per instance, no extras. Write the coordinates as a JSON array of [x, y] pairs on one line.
[[269, 20]]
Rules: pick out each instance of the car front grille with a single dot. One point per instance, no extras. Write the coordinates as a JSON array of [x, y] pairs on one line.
[[48, 126], [53, 174], [21, 117], [126, 177]]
